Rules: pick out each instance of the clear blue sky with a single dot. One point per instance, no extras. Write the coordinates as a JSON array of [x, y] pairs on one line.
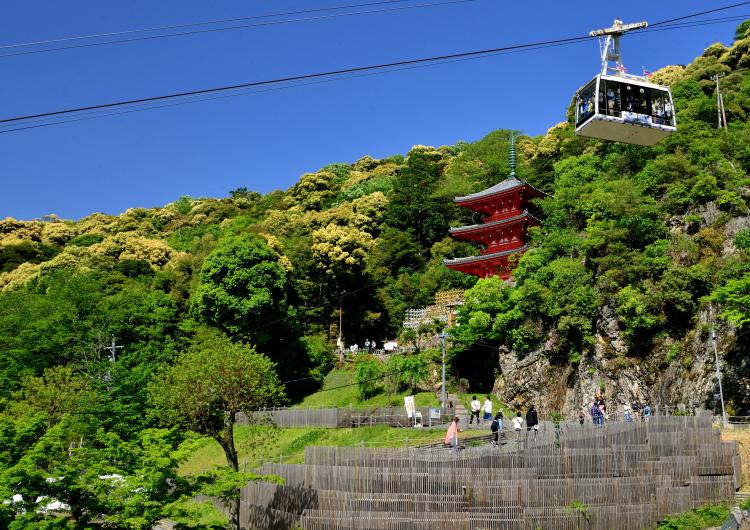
[[265, 141]]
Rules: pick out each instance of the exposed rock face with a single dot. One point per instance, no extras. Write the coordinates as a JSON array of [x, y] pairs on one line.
[[686, 381]]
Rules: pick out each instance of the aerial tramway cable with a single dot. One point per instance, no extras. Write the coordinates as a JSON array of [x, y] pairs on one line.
[[334, 75], [215, 30]]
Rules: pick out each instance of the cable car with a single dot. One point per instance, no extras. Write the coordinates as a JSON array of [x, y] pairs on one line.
[[621, 107]]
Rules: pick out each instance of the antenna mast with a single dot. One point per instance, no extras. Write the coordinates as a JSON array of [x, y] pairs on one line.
[[611, 48]]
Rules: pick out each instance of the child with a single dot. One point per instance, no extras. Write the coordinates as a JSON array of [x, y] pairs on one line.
[[451, 437], [496, 427]]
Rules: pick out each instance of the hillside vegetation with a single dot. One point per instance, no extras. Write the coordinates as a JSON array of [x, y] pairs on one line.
[[637, 245]]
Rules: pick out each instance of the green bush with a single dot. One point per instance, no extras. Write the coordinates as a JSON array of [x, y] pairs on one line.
[[732, 202], [698, 519], [742, 239], [86, 240]]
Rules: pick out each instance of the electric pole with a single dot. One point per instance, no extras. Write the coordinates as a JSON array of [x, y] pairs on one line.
[[721, 113], [112, 358], [718, 368], [113, 350], [341, 321], [442, 392]]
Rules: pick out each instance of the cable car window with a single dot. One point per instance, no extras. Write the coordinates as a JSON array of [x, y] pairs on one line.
[[611, 93], [585, 103], [658, 108]]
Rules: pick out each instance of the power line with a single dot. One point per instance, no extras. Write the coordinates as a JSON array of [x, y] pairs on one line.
[[230, 28], [699, 14], [382, 68], [203, 23], [48, 122], [296, 78]]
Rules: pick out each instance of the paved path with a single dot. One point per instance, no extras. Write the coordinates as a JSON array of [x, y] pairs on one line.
[[463, 415]]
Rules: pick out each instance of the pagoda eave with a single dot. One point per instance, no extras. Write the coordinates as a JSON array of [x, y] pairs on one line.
[[479, 231], [504, 189], [495, 264]]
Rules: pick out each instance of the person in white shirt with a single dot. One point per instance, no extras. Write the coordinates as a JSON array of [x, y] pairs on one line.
[[487, 408], [475, 407], [517, 424]]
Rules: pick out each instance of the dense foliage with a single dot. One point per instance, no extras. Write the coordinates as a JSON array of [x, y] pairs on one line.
[[651, 237]]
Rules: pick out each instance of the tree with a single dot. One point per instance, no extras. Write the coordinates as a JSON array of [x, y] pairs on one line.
[[209, 386], [368, 373], [734, 297], [244, 291], [414, 207]]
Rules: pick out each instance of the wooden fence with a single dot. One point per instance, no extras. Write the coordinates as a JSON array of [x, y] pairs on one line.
[[619, 476], [346, 417]]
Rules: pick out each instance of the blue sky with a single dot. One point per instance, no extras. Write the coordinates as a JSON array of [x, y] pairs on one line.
[[266, 140]]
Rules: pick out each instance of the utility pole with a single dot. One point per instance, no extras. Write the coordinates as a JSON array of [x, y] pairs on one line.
[[721, 113], [341, 323], [718, 368], [442, 392], [113, 350], [112, 358]]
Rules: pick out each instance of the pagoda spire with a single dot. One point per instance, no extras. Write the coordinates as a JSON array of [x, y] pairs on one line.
[[512, 156]]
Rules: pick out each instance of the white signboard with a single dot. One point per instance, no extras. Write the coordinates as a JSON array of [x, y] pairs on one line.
[[409, 405]]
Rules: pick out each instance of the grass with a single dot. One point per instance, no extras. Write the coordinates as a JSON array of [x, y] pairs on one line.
[[291, 443], [339, 390], [703, 517]]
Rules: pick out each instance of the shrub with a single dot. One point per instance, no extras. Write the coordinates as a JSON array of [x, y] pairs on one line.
[[742, 239]]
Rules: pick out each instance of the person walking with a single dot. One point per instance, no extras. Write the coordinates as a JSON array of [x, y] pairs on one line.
[[475, 407], [627, 413], [517, 424], [646, 412], [597, 417], [532, 421], [497, 427], [599, 400], [636, 410], [487, 408], [451, 437], [581, 416]]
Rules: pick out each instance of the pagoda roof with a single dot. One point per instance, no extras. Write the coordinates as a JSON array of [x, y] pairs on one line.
[[482, 226], [508, 184], [484, 257]]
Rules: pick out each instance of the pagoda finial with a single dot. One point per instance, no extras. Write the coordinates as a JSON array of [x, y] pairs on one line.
[[512, 155]]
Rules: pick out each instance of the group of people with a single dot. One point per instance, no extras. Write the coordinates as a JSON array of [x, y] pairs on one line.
[[496, 425], [636, 411]]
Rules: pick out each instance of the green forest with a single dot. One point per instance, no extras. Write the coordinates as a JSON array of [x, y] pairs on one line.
[[257, 284]]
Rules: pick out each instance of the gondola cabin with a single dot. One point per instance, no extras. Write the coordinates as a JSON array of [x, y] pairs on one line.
[[624, 109]]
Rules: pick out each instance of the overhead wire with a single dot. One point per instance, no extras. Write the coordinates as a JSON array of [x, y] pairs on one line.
[[105, 113], [699, 14], [89, 115], [296, 78], [201, 23], [232, 28], [336, 75]]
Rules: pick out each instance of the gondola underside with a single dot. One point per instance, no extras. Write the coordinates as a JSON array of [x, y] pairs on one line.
[[608, 128]]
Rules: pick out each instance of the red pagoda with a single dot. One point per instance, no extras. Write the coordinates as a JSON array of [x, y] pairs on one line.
[[503, 232]]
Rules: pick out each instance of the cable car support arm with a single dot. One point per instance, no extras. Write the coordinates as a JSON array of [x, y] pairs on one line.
[[611, 49]]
